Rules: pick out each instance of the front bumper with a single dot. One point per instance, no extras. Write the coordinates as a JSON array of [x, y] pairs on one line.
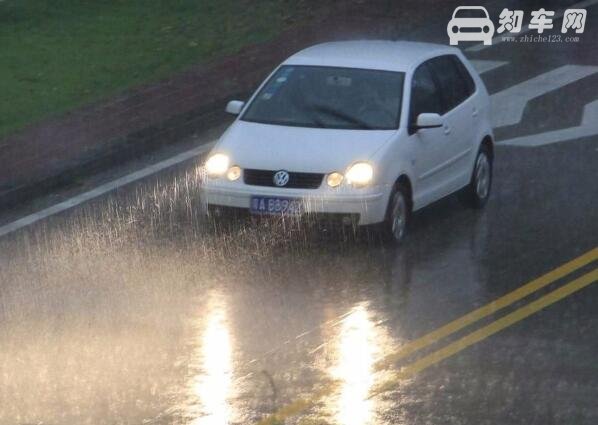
[[369, 203]]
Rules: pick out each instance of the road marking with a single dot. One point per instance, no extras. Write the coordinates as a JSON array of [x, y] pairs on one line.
[[508, 105], [499, 39], [301, 405], [490, 308], [491, 329], [483, 66], [294, 408], [587, 128], [103, 189]]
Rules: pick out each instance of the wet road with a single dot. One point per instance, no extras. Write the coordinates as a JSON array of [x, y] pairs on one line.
[[134, 309]]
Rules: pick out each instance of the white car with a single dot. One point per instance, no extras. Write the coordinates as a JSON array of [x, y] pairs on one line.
[[470, 23], [366, 130]]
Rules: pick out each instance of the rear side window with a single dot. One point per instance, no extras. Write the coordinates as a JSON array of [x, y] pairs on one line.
[[453, 84], [425, 96]]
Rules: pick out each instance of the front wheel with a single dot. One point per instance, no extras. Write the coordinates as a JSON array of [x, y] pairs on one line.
[[477, 192], [394, 226]]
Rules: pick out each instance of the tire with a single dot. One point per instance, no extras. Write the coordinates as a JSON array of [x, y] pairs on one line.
[[476, 193], [398, 214]]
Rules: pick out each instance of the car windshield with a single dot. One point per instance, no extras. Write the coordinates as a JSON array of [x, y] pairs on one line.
[[329, 97], [470, 13]]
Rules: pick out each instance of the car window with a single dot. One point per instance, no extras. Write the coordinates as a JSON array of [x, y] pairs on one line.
[[329, 97], [470, 13], [465, 75], [453, 86], [425, 96]]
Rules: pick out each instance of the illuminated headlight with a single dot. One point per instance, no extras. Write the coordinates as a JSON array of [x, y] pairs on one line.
[[360, 174], [334, 179], [217, 164], [233, 173]]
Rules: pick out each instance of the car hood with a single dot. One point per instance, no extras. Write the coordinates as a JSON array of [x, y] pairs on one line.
[[470, 22], [275, 147]]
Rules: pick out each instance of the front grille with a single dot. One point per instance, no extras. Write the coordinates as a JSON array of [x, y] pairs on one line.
[[296, 180]]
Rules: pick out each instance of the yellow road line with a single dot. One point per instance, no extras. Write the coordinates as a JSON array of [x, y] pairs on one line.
[[294, 408], [492, 328], [488, 309], [301, 405]]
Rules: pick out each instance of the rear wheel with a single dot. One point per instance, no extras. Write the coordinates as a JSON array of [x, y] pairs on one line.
[[477, 192], [394, 227]]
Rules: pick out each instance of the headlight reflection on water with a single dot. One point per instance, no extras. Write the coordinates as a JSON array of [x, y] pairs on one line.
[[212, 386], [357, 351]]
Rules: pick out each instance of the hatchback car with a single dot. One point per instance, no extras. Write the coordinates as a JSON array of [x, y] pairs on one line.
[[367, 130]]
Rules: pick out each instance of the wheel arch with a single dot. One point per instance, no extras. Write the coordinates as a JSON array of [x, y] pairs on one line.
[[488, 143], [404, 181]]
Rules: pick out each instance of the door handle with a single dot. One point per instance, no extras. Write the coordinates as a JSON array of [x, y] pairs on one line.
[[447, 129], [475, 112]]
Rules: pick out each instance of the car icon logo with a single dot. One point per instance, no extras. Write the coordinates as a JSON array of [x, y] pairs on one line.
[[281, 178], [470, 23]]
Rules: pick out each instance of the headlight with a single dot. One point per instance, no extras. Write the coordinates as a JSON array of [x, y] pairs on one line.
[[217, 164], [233, 173], [360, 174], [334, 179]]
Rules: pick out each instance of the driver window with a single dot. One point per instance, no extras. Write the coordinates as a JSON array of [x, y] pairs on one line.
[[424, 94]]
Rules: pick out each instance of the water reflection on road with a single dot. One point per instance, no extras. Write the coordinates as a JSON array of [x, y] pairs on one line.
[[167, 320], [212, 385], [357, 351]]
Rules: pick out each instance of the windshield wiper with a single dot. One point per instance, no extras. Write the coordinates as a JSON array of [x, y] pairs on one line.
[[344, 116], [309, 112]]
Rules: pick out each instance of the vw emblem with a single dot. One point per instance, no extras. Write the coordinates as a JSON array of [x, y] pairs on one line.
[[281, 178]]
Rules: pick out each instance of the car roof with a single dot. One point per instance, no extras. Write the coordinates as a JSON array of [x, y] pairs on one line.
[[369, 54], [470, 8], [463, 8]]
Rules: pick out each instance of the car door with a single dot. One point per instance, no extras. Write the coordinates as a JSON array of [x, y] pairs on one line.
[[471, 123], [459, 113], [429, 145]]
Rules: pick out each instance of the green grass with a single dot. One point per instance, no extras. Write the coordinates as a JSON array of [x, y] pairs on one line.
[[58, 54]]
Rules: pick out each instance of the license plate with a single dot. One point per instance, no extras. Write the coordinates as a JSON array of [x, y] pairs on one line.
[[275, 206]]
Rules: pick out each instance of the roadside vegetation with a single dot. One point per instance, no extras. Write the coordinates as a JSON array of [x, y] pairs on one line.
[[57, 55]]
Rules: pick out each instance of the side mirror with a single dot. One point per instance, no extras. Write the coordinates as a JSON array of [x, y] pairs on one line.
[[235, 107], [428, 120]]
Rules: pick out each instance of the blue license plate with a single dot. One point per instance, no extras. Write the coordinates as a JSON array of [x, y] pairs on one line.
[[275, 205]]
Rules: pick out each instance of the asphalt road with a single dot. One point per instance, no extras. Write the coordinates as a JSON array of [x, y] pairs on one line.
[[131, 308]]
